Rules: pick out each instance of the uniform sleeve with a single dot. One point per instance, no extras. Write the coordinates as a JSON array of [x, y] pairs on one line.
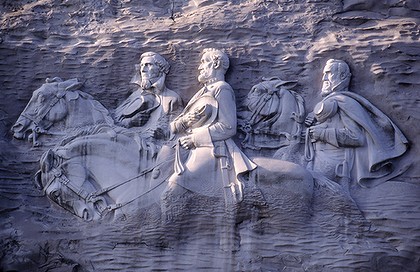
[[352, 134], [349, 135]]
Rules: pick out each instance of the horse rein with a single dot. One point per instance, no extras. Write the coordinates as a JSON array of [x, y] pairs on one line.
[[91, 197], [36, 130]]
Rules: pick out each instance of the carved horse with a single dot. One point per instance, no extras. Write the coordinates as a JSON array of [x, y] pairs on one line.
[[93, 153], [95, 175], [273, 119], [276, 115], [59, 104], [98, 172]]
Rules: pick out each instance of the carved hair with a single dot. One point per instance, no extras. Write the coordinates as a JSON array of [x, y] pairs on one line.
[[218, 55], [342, 69], [164, 66]]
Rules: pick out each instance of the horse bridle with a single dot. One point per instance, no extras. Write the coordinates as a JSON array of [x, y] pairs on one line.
[[94, 196], [36, 130]]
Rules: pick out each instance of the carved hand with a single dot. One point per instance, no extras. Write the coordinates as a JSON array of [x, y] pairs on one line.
[[190, 118], [154, 132], [187, 142], [316, 132], [310, 119]]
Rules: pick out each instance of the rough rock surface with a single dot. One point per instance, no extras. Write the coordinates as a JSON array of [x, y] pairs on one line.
[[99, 42]]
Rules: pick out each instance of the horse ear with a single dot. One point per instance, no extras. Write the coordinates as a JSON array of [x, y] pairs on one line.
[[70, 85], [74, 86], [55, 79], [38, 180]]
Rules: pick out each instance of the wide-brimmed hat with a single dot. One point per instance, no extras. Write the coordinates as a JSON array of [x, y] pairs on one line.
[[206, 106]]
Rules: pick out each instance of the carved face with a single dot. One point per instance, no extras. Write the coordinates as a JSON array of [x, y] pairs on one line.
[[336, 77], [150, 72], [206, 69], [330, 79]]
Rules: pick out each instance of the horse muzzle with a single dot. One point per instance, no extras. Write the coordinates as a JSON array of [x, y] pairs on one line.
[[21, 128]]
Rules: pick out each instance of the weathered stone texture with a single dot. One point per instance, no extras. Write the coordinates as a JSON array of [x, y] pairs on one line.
[[99, 42]]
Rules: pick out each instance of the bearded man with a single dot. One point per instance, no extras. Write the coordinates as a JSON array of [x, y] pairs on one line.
[[213, 164], [153, 105], [349, 138]]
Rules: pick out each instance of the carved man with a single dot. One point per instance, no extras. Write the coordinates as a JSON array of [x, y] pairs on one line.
[[153, 105], [349, 138], [205, 127]]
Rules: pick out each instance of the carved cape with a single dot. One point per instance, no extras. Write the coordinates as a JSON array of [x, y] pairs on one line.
[[384, 140]]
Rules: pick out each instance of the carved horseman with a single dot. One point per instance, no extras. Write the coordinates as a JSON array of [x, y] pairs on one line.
[[153, 105], [214, 162], [349, 138]]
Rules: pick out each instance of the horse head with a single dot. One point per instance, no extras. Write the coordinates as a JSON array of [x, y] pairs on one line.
[[269, 86], [51, 179], [45, 108]]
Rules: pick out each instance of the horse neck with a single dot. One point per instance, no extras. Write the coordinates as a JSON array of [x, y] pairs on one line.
[[84, 112]]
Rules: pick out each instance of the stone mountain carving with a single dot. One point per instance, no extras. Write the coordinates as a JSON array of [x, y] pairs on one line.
[[59, 108], [153, 105], [349, 138], [285, 222], [94, 174], [101, 168], [275, 118]]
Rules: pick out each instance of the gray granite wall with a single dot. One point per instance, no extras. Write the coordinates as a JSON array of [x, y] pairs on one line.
[[100, 41]]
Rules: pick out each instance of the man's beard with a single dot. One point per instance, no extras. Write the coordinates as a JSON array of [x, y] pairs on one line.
[[327, 88], [203, 77], [147, 83]]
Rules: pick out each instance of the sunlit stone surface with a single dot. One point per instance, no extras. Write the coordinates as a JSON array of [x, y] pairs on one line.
[[317, 172]]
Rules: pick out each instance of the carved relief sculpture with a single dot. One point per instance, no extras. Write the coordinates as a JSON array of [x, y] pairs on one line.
[[152, 106], [240, 179], [348, 138], [205, 128], [276, 115]]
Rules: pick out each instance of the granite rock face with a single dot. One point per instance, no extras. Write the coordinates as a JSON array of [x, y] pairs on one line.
[[100, 41]]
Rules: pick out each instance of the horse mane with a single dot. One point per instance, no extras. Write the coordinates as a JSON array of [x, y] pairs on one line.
[[81, 102]]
